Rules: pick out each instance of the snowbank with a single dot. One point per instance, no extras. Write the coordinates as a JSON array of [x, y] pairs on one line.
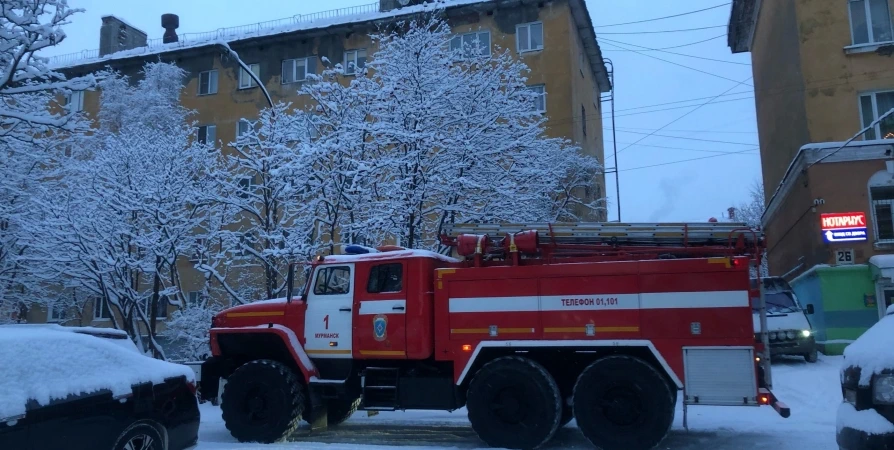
[[44, 364], [868, 420], [872, 352]]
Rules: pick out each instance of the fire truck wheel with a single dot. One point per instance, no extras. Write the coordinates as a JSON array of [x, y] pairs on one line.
[[623, 403], [263, 402], [514, 403]]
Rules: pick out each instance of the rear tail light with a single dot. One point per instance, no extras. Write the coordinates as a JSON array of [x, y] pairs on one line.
[[192, 387]]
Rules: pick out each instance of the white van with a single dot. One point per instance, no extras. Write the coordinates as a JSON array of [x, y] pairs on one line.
[[789, 329]]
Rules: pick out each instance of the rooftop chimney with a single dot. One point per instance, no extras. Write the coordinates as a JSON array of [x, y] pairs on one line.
[[170, 22], [116, 35]]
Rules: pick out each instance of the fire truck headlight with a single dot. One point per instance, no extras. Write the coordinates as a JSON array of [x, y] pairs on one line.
[[805, 333], [772, 336], [790, 334], [883, 389]]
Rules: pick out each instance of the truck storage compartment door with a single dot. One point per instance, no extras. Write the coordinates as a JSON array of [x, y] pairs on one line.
[[723, 376]]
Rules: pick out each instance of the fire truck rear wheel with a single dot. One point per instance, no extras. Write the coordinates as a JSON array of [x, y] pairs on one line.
[[623, 403], [263, 402], [514, 403]]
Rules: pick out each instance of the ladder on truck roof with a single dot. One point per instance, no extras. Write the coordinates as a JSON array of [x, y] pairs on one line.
[[616, 240], [651, 234]]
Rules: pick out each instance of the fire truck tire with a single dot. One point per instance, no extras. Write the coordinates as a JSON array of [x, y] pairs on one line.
[[623, 403], [515, 403], [263, 402]]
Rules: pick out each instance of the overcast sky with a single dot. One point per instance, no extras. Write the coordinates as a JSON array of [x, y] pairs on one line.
[[706, 168]]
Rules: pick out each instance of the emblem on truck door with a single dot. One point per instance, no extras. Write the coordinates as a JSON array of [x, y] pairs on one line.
[[380, 327]]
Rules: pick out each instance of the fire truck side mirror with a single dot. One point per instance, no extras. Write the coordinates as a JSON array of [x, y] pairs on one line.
[[810, 308]]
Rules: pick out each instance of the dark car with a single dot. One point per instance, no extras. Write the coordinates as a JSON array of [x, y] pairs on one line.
[[866, 416], [91, 392]]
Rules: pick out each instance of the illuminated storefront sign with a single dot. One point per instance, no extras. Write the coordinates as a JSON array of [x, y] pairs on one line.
[[844, 227]]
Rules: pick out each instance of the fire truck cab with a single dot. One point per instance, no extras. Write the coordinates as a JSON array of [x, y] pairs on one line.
[[526, 330]]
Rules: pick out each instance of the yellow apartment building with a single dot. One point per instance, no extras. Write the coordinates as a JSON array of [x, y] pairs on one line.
[[554, 38]]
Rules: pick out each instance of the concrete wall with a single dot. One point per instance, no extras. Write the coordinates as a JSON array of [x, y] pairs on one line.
[[806, 83], [779, 97], [834, 78]]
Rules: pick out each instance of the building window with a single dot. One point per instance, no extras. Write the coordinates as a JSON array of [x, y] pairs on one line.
[[465, 43], [195, 298], [161, 308], [294, 70], [883, 212], [354, 61], [207, 134], [870, 21], [101, 310], [385, 278], [246, 186], [57, 313], [208, 82], [243, 127], [873, 106], [198, 250], [245, 79], [540, 100], [583, 119], [529, 37], [75, 101]]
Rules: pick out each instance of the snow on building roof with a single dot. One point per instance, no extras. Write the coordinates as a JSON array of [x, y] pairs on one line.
[[304, 22], [822, 153], [300, 22], [43, 364]]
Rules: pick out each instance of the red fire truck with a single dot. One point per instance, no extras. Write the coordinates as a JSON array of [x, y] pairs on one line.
[[533, 325]]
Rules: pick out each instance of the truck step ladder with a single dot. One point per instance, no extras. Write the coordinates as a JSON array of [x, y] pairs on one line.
[[379, 386], [626, 234]]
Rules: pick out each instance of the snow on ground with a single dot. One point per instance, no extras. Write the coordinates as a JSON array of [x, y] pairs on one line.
[[812, 391]]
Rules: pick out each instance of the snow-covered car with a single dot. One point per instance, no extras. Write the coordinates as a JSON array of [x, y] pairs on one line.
[[866, 416], [87, 388]]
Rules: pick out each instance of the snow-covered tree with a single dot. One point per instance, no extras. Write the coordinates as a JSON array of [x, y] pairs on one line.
[[32, 129], [455, 137], [27, 84], [116, 216], [750, 212], [262, 224]]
